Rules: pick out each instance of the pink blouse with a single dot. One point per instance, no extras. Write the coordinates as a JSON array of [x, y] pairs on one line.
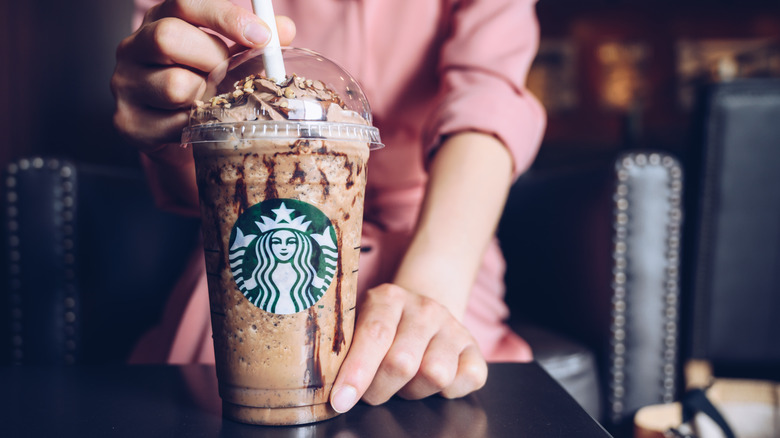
[[430, 68]]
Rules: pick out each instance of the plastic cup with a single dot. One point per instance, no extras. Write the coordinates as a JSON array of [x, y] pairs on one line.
[[282, 206]]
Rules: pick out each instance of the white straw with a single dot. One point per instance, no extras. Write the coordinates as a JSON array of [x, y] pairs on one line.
[[272, 56]]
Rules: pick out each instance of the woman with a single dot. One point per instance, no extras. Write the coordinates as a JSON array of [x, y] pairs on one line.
[[446, 81]]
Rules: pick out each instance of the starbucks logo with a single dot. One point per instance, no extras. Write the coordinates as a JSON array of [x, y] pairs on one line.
[[283, 255]]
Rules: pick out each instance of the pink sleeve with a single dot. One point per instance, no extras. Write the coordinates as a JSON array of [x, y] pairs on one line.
[[483, 69]]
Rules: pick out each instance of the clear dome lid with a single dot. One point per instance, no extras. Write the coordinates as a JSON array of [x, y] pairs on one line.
[[303, 63], [317, 96]]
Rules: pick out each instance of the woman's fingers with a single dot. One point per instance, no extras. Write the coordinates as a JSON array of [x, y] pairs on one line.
[[409, 345], [222, 16], [161, 69], [375, 330], [422, 319], [286, 28], [472, 374], [148, 128], [167, 88], [438, 368], [172, 41]]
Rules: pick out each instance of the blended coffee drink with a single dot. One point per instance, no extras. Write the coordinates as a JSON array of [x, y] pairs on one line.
[[281, 171]]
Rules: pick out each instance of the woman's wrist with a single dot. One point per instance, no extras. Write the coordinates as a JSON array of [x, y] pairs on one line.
[[468, 183]]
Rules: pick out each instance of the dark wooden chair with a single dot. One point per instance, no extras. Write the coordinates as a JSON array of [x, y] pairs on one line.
[[88, 262]]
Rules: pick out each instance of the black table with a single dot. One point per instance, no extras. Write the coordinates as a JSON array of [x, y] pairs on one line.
[[519, 401]]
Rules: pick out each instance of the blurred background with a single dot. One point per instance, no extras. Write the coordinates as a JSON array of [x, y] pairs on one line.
[[612, 73], [624, 74], [57, 60]]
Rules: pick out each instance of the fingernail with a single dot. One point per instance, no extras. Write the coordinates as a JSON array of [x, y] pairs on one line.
[[343, 399], [257, 33]]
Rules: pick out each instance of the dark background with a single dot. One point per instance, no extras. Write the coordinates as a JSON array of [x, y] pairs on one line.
[[56, 60], [650, 113]]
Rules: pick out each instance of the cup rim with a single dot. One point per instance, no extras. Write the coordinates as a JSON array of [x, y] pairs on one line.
[[282, 129]]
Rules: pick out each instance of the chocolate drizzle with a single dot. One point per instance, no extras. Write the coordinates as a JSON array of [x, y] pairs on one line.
[[350, 179], [270, 184], [301, 145], [313, 365], [223, 260], [325, 184], [240, 197], [338, 334], [298, 174], [212, 177]]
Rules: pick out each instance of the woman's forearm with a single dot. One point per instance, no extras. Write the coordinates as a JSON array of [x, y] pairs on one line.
[[469, 179]]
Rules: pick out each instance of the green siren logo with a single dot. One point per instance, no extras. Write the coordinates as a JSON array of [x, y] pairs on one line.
[[283, 255]]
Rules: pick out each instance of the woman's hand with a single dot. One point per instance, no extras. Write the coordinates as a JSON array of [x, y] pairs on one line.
[[162, 67], [408, 344], [408, 336]]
